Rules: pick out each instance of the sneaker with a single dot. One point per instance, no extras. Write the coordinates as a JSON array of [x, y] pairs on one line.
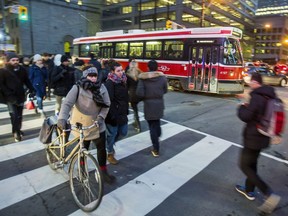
[[17, 137], [155, 153], [21, 133], [242, 190], [109, 179], [112, 160], [270, 204]]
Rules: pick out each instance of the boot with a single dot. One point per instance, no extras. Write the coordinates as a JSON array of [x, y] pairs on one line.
[[111, 159], [109, 179]]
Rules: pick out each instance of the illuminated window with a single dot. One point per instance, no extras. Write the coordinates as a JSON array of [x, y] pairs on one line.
[[121, 50], [87, 49], [136, 49], [173, 49], [153, 49], [126, 10]]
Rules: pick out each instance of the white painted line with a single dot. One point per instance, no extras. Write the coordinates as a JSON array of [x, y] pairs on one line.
[[23, 186], [15, 150], [142, 194]]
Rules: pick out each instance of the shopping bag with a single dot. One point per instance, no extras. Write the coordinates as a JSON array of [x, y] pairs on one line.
[[30, 105], [48, 126]]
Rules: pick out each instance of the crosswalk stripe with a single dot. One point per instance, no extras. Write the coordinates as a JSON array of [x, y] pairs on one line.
[[15, 150], [157, 183], [43, 178]]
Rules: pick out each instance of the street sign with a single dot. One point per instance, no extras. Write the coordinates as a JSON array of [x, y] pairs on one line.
[[14, 9]]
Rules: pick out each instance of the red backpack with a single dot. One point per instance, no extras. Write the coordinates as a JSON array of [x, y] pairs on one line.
[[272, 123]]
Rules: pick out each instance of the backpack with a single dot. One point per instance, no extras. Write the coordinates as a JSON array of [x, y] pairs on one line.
[[272, 123]]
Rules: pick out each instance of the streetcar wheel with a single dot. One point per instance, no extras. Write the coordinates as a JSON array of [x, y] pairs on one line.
[[86, 182], [283, 82]]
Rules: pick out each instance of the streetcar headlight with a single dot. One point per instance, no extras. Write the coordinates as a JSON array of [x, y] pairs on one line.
[[231, 73]]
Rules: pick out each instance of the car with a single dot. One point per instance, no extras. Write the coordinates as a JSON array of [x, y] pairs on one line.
[[268, 75], [281, 69]]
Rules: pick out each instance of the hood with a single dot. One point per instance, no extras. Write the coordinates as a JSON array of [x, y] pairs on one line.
[[265, 90], [150, 75], [57, 59]]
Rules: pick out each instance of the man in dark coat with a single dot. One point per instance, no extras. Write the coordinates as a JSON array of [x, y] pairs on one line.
[[151, 88], [62, 80], [13, 79], [254, 142], [49, 65]]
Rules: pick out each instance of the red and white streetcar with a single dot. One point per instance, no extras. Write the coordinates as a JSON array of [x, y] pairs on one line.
[[195, 59]]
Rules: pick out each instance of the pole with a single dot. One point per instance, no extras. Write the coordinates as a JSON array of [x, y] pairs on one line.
[[31, 28], [140, 11], [155, 15], [3, 24], [202, 14]]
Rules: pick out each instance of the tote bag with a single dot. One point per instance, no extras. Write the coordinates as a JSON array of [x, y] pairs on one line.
[[85, 120]]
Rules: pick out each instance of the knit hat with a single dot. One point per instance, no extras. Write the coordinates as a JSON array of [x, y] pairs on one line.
[[91, 70], [37, 57], [64, 58], [257, 77], [11, 55]]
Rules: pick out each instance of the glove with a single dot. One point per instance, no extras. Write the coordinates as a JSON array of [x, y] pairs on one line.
[[61, 123], [100, 120]]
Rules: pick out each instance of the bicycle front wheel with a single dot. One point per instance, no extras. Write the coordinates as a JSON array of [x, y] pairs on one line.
[[86, 181]]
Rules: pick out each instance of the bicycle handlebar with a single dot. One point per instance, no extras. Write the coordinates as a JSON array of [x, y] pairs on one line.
[[79, 126]]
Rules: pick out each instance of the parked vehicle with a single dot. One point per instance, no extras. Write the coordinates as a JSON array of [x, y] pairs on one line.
[[281, 69], [268, 75]]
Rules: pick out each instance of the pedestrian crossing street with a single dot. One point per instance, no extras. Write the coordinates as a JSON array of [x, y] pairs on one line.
[[29, 187]]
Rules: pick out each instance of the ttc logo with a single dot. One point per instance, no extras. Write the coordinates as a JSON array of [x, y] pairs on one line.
[[164, 68]]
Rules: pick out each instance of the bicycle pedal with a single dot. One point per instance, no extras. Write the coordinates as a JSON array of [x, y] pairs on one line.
[[59, 165]]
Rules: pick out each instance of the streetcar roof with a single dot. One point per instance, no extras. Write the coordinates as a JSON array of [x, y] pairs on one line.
[[133, 35]]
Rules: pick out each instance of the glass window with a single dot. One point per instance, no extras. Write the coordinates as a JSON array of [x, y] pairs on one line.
[[173, 49], [153, 49], [232, 52], [126, 10], [121, 50], [136, 49], [87, 49]]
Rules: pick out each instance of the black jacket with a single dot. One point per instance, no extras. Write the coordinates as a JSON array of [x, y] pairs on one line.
[[12, 84], [250, 114], [118, 111], [62, 80]]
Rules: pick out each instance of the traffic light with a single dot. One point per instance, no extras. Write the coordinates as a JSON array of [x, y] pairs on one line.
[[22, 13], [168, 24]]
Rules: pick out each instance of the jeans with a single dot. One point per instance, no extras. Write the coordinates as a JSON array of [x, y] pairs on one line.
[[114, 133], [248, 165], [16, 113], [155, 132], [39, 102], [100, 146]]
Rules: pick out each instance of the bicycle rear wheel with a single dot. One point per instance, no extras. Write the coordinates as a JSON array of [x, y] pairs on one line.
[[86, 182]]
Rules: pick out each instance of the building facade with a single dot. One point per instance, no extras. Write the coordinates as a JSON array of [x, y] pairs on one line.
[[51, 26], [152, 15]]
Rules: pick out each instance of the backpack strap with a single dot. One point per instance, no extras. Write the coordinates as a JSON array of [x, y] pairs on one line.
[[78, 88]]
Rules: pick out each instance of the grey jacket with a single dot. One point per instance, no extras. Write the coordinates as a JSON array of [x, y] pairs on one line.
[[85, 104], [151, 88]]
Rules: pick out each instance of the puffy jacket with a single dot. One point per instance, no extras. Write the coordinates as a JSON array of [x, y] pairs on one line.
[[250, 114]]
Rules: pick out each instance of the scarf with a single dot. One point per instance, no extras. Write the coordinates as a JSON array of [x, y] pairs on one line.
[[116, 79], [95, 89]]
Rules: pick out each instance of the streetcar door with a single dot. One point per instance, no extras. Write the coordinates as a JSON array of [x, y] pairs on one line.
[[214, 69], [203, 61]]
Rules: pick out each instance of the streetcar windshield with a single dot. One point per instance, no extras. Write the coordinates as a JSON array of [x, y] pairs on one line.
[[232, 52]]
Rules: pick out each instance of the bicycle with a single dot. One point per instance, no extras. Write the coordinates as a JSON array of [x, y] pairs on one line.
[[85, 177]]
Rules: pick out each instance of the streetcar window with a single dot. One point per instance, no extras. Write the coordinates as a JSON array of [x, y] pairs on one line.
[[153, 49], [121, 50], [76, 50], [173, 49], [231, 52], [136, 50], [87, 49]]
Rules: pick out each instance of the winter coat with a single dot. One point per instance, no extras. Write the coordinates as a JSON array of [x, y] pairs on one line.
[[250, 114], [85, 104], [38, 77], [62, 80], [151, 88], [49, 64], [118, 112], [132, 81], [12, 84]]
